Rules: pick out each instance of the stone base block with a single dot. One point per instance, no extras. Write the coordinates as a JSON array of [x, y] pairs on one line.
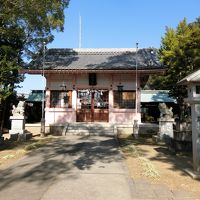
[[14, 137], [166, 139], [56, 129], [20, 137], [180, 146], [193, 174], [28, 135]]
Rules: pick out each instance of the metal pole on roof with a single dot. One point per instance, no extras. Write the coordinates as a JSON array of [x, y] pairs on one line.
[[136, 77], [80, 31], [135, 124], [42, 131]]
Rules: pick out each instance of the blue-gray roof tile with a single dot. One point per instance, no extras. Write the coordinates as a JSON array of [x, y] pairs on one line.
[[98, 59]]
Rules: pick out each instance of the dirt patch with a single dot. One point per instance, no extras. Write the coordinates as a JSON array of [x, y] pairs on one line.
[[156, 164]]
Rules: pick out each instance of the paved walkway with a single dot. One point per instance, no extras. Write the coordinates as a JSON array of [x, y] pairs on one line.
[[77, 168]]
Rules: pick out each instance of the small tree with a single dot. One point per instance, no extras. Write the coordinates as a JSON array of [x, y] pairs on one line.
[[180, 52], [24, 26], [10, 60]]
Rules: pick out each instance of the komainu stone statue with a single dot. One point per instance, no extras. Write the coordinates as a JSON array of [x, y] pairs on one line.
[[165, 112], [19, 110]]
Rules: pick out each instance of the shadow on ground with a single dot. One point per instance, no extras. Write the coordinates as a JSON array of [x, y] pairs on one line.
[[61, 156], [178, 161]]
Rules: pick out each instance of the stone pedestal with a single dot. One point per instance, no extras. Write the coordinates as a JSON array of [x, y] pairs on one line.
[[17, 127], [42, 130], [166, 129], [135, 128]]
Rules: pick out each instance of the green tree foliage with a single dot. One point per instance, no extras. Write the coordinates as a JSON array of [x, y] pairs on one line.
[[180, 53], [35, 20], [24, 27], [10, 59]]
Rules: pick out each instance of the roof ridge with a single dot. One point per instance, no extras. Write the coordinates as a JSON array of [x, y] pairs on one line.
[[104, 49], [94, 50]]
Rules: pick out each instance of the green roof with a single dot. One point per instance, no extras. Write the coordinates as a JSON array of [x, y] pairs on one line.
[[148, 96], [35, 96]]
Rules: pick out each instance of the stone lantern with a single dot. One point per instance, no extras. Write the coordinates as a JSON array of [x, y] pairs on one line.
[[193, 86]]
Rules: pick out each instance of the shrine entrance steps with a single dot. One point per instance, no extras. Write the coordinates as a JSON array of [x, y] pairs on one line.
[[84, 128]]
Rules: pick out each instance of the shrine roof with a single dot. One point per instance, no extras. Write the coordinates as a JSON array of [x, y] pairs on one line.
[[98, 59]]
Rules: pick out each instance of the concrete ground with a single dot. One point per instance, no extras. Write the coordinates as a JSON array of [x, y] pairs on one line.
[[77, 168]]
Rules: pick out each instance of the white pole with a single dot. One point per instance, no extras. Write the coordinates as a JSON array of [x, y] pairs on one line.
[[43, 95], [135, 124], [136, 77], [80, 31]]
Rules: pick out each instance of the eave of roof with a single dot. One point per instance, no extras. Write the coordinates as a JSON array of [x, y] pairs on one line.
[[193, 77], [144, 71]]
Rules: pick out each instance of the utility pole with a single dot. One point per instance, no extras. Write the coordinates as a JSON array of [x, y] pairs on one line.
[[42, 131], [136, 77], [135, 124]]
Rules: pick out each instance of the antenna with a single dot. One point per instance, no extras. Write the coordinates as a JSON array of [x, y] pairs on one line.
[[136, 125], [136, 77], [80, 30]]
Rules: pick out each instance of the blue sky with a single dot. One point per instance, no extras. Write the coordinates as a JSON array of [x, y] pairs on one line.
[[118, 24]]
